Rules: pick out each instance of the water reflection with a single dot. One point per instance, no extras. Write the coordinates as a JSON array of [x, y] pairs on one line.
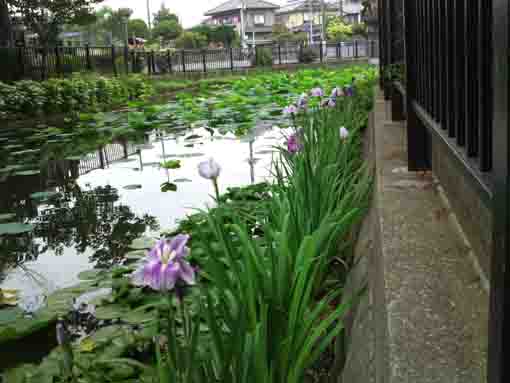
[[72, 217]]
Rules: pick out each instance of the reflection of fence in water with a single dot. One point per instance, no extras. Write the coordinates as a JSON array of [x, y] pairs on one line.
[[106, 155]]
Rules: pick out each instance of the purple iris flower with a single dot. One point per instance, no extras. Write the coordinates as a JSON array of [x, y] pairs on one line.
[[317, 92], [337, 92], [165, 265], [331, 103], [349, 91], [302, 101], [293, 144], [290, 110]]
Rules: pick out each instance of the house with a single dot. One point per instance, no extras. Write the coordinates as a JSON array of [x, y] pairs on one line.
[[253, 19], [296, 14]]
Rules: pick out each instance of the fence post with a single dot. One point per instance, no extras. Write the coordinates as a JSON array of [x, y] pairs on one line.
[[355, 49], [101, 157], [114, 67], [256, 55], [44, 69], [58, 65], [169, 61], [321, 53], [21, 61], [153, 61], [204, 60], [126, 59], [133, 62], [125, 148], [280, 54], [87, 57], [183, 56], [231, 59]]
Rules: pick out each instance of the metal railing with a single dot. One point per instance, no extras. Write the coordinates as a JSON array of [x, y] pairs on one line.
[[102, 157], [42, 63], [455, 88]]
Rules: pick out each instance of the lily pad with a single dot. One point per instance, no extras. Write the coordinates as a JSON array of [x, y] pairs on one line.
[[7, 217], [181, 180], [43, 195], [133, 187], [142, 243], [171, 164], [193, 137], [27, 173], [14, 228], [168, 187], [89, 275]]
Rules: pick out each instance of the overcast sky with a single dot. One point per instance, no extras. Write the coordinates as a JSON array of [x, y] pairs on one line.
[[190, 12]]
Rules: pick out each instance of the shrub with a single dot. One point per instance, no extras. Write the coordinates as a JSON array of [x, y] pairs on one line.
[[75, 94], [307, 55], [263, 57]]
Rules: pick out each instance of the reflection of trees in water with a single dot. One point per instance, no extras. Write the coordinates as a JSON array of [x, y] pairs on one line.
[[90, 219], [83, 219]]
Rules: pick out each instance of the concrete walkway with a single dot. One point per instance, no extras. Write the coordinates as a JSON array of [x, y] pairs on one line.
[[425, 318]]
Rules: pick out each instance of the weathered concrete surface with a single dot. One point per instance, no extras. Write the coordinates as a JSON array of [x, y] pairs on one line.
[[426, 314]]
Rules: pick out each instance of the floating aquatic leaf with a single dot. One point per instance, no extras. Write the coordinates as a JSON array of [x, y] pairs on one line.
[[14, 228], [181, 180], [7, 217], [186, 155], [89, 275], [133, 187], [43, 195], [142, 243], [189, 145], [87, 345], [193, 137], [168, 187], [171, 164], [24, 173]]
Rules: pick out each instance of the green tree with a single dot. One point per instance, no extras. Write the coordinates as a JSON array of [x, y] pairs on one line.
[[46, 17], [139, 28], [338, 31], [167, 29], [225, 34], [282, 34], [360, 29], [164, 14], [191, 40]]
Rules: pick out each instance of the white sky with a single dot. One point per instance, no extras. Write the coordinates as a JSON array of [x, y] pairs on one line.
[[190, 12]]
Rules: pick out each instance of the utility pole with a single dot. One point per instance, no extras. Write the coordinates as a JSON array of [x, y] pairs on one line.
[[341, 8], [310, 3], [149, 17], [243, 29], [323, 24]]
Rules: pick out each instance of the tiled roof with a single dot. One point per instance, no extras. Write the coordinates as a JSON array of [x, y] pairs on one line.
[[233, 5]]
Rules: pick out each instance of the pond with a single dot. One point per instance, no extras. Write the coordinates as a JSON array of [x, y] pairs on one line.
[[88, 220]]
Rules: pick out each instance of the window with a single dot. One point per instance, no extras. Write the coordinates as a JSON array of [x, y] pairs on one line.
[[306, 16], [259, 19]]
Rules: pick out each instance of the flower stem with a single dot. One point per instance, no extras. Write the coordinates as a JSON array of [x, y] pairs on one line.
[[216, 189]]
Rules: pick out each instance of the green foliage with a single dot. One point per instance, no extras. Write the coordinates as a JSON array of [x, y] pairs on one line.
[[79, 93], [138, 28], [282, 34], [164, 14], [264, 57], [225, 34], [360, 29], [338, 31], [307, 55], [191, 40], [395, 72], [167, 30]]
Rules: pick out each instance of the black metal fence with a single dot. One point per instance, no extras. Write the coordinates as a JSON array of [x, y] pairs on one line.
[[42, 63], [105, 155], [450, 80]]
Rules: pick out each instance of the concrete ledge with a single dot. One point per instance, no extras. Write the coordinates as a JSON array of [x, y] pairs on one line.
[[427, 310]]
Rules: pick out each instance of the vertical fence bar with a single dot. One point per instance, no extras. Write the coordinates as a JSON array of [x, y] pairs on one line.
[[485, 96], [204, 60], [183, 58], [231, 59], [153, 62], [499, 326], [460, 69], [443, 39], [114, 67], [21, 61], [169, 61], [279, 54], [416, 132], [471, 80], [356, 53], [58, 64], [87, 57], [126, 59]]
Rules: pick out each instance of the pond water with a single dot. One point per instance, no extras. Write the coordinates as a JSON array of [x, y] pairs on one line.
[[88, 220]]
